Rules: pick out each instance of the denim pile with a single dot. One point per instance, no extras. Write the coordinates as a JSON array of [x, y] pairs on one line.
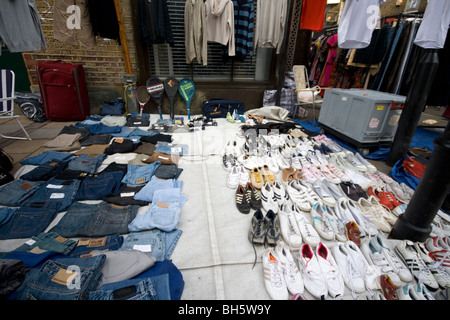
[[118, 211]]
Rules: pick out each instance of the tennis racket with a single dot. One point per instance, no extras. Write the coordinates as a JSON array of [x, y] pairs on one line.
[[155, 88], [142, 97], [186, 89]]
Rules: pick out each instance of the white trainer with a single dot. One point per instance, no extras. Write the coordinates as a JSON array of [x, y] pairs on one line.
[[415, 264], [323, 194], [350, 272], [311, 272], [289, 227], [309, 234], [365, 269], [320, 223], [330, 272], [292, 275], [298, 195], [273, 276], [374, 215], [336, 224], [267, 198], [233, 177]]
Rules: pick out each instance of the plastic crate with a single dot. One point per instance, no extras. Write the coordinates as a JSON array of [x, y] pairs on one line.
[[361, 117]]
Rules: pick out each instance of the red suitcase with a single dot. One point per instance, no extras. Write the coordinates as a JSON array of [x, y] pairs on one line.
[[63, 90]]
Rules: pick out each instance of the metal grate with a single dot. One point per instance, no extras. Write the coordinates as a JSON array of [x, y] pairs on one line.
[[166, 61]]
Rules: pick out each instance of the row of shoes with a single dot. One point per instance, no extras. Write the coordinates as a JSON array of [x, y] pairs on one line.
[[315, 270], [428, 267]]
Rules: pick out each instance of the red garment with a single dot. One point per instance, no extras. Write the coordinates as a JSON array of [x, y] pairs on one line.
[[313, 14]]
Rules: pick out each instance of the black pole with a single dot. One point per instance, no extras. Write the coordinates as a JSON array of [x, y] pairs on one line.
[[429, 196], [414, 105]]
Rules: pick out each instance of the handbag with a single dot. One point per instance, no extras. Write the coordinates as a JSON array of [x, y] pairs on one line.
[[113, 108], [219, 108]]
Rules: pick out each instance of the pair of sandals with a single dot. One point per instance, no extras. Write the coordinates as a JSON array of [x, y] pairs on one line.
[[290, 174], [262, 175]]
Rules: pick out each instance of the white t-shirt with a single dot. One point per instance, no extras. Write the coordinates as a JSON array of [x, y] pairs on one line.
[[358, 21], [433, 29]]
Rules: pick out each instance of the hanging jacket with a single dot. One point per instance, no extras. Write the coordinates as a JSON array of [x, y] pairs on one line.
[[270, 24], [154, 22], [244, 15], [195, 32], [220, 23]]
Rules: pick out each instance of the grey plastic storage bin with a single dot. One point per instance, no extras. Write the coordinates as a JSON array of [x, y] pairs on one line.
[[361, 117]]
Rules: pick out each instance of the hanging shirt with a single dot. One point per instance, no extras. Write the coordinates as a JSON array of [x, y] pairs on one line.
[[433, 29], [358, 21], [270, 24], [220, 23], [154, 22], [244, 15], [20, 26], [195, 37], [72, 24], [313, 14]]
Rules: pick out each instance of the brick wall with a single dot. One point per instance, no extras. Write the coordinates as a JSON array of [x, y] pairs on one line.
[[104, 63]]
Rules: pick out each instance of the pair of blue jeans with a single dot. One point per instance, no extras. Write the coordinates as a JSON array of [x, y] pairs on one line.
[[86, 163], [15, 193], [164, 212], [63, 279], [45, 157], [157, 242], [170, 148], [154, 288], [49, 241], [87, 246], [29, 220], [46, 171], [146, 193], [95, 220], [99, 128], [61, 192], [104, 185], [139, 175]]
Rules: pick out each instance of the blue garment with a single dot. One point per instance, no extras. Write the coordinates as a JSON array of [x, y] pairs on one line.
[[146, 193], [104, 185], [99, 128], [170, 148], [87, 246], [86, 163], [46, 157], [95, 220], [164, 213], [6, 213], [159, 243], [154, 288], [15, 193], [49, 241], [61, 192], [176, 282], [139, 175], [29, 220], [51, 282]]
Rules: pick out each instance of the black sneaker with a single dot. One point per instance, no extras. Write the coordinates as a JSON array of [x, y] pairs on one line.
[[253, 196], [241, 200], [257, 231], [273, 234]]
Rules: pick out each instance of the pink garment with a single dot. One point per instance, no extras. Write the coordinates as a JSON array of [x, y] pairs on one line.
[[328, 68]]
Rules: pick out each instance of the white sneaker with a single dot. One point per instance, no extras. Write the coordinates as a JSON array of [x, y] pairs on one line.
[[326, 198], [355, 162], [338, 172], [243, 176], [415, 264], [442, 277], [321, 157], [233, 177], [350, 272], [407, 292], [423, 292], [336, 224], [273, 276], [298, 195], [361, 220], [292, 275], [438, 252], [330, 176], [384, 212], [309, 234], [365, 269], [320, 223], [289, 227], [311, 156], [295, 162], [376, 255], [370, 167], [312, 196], [279, 193], [330, 271], [374, 215], [311, 273], [267, 198]]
